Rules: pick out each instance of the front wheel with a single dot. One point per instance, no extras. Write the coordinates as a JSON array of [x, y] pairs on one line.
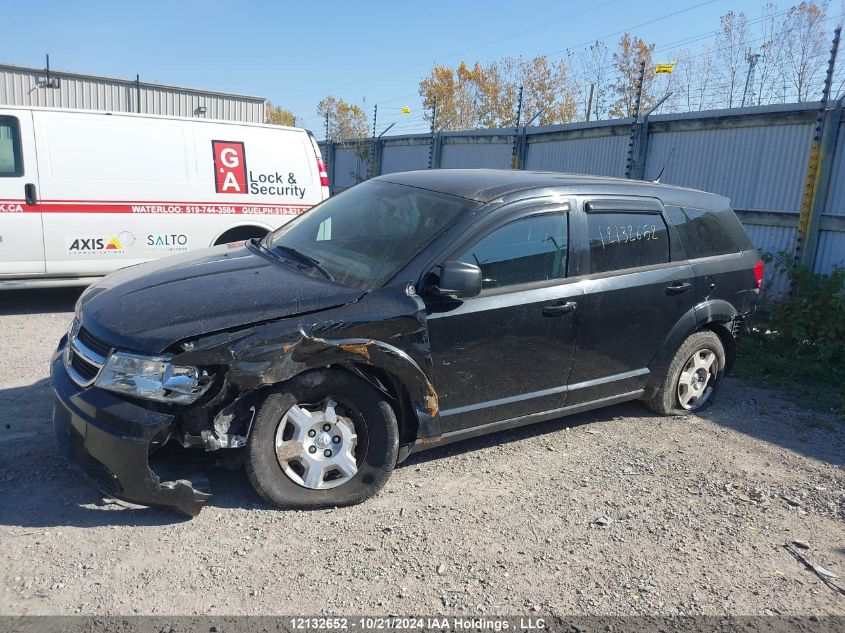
[[693, 376], [326, 438]]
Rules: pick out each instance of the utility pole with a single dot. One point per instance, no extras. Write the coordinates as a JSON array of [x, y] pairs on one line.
[[817, 180], [751, 58], [590, 101], [516, 132]]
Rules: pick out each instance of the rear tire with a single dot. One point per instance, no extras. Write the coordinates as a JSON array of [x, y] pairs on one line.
[[303, 452], [693, 377]]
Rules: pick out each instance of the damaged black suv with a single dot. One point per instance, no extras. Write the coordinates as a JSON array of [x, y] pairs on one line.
[[412, 310]]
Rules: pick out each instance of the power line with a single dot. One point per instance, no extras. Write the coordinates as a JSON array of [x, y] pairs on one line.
[[711, 90], [546, 24], [630, 28]]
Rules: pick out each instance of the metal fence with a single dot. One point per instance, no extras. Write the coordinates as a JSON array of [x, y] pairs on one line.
[[757, 157], [23, 86]]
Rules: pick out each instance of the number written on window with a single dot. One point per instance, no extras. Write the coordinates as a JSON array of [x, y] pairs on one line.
[[626, 240]]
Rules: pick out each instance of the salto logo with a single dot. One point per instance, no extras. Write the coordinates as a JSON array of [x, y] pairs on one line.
[[229, 166]]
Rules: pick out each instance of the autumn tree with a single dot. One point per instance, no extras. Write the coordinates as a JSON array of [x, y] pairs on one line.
[[497, 96], [278, 115], [475, 96], [596, 65], [347, 121], [695, 73], [547, 89], [805, 48], [769, 57], [632, 51], [731, 58]]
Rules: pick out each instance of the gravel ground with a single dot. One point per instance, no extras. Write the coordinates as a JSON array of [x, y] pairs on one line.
[[612, 512]]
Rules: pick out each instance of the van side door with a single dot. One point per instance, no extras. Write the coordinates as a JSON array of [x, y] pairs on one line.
[[21, 233], [635, 291]]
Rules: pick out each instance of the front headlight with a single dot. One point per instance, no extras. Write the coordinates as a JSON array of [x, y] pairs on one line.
[[153, 378]]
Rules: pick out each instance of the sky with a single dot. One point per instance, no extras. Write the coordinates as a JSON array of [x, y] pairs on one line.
[[295, 53]]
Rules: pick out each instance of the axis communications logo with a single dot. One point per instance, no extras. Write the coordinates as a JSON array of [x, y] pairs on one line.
[[229, 167]]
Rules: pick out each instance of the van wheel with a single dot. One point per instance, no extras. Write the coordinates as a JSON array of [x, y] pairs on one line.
[[693, 376], [324, 439], [240, 234]]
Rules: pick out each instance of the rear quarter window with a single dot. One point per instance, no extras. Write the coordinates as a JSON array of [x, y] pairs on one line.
[[10, 150], [620, 240], [702, 233]]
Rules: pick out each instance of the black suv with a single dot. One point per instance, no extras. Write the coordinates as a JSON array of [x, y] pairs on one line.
[[412, 310]]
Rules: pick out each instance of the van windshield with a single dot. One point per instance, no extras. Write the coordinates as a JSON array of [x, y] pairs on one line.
[[365, 235]]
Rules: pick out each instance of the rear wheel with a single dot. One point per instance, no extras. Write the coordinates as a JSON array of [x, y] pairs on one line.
[[693, 376], [325, 439]]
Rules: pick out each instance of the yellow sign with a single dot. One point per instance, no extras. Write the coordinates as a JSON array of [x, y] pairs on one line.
[[406, 110], [664, 69]]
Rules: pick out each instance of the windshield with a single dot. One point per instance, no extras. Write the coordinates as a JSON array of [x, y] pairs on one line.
[[365, 235]]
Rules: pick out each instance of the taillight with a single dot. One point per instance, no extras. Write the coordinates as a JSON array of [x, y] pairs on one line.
[[758, 273], [324, 175]]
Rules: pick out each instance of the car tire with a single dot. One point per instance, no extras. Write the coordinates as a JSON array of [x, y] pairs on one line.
[[280, 461], [693, 377]]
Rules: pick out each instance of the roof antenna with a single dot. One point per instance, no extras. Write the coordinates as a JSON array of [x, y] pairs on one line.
[[662, 169]]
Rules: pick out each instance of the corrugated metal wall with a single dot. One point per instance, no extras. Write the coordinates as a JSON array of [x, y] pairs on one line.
[[405, 155], [836, 198], [755, 156], [26, 87], [481, 150], [601, 153]]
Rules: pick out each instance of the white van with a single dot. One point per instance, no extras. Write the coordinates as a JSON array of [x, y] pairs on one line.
[[84, 193]]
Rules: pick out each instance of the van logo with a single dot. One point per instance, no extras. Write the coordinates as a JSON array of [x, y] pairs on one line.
[[229, 166], [90, 245]]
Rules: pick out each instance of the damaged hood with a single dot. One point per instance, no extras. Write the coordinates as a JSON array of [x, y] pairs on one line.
[[147, 308]]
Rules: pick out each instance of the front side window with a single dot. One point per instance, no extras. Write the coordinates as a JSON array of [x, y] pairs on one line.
[[365, 235], [524, 251], [702, 232], [626, 240], [11, 162]]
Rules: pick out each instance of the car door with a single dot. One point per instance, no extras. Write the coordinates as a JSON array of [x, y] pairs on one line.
[[21, 237], [507, 352], [634, 293]]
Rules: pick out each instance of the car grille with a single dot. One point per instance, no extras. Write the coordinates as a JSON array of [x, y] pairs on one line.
[[98, 471], [85, 355]]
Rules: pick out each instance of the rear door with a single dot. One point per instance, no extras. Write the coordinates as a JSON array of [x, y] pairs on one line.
[[21, 236], [633, 295]]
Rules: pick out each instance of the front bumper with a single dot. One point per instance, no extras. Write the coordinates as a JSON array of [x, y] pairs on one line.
[[110, 440]]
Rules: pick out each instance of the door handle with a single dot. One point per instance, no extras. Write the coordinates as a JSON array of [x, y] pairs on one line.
[[30, 194], [557, 310], [678, 288]]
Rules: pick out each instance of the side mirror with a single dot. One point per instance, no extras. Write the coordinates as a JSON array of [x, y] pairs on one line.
[[457, 281]]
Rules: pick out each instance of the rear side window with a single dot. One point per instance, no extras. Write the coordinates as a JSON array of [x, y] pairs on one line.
[[527, 250], [702, 232], [11, 162], [626, 240]]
